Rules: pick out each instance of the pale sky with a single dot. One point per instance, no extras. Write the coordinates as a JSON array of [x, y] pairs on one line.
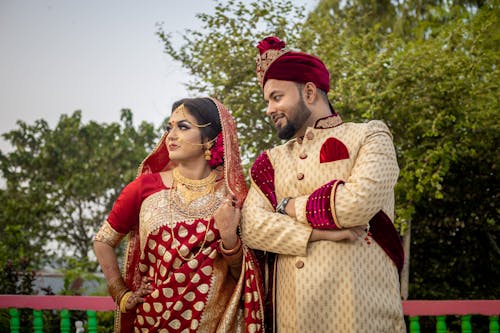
[[98, 56]]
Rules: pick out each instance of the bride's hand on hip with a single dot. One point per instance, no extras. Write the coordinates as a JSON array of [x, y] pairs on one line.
[[138, 295]]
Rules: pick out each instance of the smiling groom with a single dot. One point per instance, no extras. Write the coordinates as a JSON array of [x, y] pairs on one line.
[[328, 176]]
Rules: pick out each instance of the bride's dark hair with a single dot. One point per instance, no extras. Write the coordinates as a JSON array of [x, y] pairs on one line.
[[204, 111]]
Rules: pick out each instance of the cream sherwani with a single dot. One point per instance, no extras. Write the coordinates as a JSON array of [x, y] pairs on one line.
[[328, 286]]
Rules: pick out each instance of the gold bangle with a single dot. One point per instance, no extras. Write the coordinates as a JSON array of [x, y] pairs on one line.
[[123, 301], [232, 251], [120, 295], [117, 288]]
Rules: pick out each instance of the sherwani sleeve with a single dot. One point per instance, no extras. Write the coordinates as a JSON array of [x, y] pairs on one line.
[[372, 179], [354, 201], [261, 227]]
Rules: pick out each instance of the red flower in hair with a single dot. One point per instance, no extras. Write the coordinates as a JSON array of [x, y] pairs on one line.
[[217, 151], [270, 43]]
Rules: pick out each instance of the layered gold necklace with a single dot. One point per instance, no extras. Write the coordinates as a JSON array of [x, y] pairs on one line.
[[192, 189]]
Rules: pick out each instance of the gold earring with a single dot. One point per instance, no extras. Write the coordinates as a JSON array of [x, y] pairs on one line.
[[208, 153]]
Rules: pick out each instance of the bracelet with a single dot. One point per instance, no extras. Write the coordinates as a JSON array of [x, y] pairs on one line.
[[232, 251], [117, 288], [120, 295], [123, 301], [281, 207]]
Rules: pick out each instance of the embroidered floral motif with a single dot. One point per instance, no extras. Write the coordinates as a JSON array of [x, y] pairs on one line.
[[265, 60]]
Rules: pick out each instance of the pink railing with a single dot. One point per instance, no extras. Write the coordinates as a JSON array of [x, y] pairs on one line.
[[95, 303], [414, 309]]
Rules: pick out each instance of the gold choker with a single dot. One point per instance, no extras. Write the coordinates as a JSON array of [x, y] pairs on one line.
[[192, 189]]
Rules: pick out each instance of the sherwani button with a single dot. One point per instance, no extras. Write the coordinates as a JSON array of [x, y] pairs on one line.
[[303, 156], [310, 135], [300, 176], [299, 264]]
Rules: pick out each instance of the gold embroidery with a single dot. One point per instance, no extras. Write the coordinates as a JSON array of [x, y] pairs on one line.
[[155, 213], [108, 235], [328, 122], [265, 60]]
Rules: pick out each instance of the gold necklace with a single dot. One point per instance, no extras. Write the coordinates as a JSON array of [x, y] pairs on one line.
[[174, 239], [198, 210], [210, 208], [192, 189]]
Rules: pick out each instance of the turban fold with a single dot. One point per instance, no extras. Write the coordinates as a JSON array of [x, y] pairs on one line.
[[276, 62]]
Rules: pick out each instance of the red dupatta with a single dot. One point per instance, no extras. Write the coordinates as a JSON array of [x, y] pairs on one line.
[[157, 161]]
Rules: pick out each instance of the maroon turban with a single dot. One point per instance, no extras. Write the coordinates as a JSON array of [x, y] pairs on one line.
[[276, 62]]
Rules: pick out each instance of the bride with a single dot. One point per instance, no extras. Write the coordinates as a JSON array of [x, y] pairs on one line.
[[186, 269]]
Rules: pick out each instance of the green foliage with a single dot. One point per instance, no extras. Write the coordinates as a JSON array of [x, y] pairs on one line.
[[62, 182], [105, 321], [440, 97], [4, 320], [17, 278], [75, 276]]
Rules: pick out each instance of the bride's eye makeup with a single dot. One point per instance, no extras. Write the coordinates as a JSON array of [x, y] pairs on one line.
[[182, 125]]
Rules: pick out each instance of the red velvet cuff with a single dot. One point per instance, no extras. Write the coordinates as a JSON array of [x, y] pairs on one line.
[[318, 209]]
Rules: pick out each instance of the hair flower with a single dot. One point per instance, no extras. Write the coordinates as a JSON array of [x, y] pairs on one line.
[[217, 151]]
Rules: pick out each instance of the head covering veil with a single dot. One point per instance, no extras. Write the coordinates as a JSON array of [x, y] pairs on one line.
[[158, 160]]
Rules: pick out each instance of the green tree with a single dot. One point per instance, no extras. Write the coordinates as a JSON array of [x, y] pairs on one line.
[[62, 182], [450, 173]]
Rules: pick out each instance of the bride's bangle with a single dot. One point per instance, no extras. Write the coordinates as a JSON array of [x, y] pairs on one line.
[[123, 301], [232, 251], [117, 288]]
